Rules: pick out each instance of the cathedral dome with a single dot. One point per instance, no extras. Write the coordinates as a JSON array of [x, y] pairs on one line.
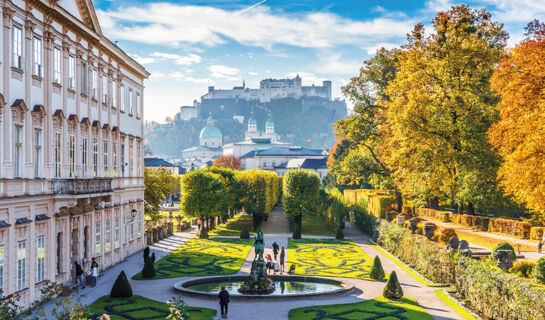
[[211, 132]]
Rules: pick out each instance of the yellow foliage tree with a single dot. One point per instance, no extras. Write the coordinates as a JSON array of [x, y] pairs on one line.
[[519, 136]]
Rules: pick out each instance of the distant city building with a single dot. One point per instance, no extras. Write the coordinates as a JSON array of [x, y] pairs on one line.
[[277, 158], [270, 89], [252, 131], [317, 165], [71, 141], [155, 163], [189, 112], [209, 148]]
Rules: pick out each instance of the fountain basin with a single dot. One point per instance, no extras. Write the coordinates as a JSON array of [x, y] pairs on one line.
[[285, 287]]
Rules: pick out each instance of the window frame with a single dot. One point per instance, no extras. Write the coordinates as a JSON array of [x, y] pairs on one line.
[[37, 57], [21, 264]]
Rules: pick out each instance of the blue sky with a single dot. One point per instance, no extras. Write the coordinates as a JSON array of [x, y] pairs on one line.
[[189, 45]]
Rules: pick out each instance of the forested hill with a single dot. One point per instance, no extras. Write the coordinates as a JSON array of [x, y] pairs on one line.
[[297, 121]]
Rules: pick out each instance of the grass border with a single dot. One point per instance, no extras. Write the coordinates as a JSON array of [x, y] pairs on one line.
[[417, 276], [452, 303]]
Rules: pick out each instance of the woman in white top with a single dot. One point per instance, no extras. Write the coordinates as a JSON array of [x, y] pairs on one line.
[[94, 275], [276, 267]]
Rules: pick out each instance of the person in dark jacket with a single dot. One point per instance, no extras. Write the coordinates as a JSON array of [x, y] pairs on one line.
[[282, 257], [79, 274], [224, 300], [275, 249]]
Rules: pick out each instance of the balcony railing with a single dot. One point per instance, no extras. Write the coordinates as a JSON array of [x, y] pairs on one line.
[[81, 186]]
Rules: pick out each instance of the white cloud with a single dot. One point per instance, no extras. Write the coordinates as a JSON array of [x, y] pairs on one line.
[[178, 59], [438, 5], [516, 10], [335, 64], [142, 60], [373, 50], [173, 24], [251, 73], [224, 72]]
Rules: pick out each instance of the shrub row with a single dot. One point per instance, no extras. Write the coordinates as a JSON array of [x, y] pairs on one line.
[[510, 227], [491, 292], [536, 233], [377, 202]]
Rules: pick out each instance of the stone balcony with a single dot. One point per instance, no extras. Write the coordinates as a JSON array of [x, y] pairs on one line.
[[81, 186]]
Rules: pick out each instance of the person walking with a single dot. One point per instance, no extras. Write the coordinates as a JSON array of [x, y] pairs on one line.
[[79, 274], [224, 301], [94, 263], [275, 249], [282, 257], [539, 247], [94, 274], [276, 267]]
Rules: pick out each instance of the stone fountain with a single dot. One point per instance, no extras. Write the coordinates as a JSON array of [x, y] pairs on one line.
[[258, 282]]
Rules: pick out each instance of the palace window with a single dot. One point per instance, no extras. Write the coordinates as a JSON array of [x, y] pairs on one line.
[[138, 148], [114, 150], [18, 48], [84, 77], [21, 265], [114, 93], [57, 154], [122, 159], [139, 224], [117, 233], [84, 155], [104, 89], [107, 235], [138, 104], [59, 253], [57, 65], [122, 98], [18, 168], [40, 268], [37, 42], [131, 158], [71, 73], [130, 102], [97, 238], [72, 154], [37, 152], [95, 83], [105, 153], [95, 157]]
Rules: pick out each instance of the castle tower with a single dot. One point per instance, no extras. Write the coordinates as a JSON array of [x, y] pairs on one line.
[[269, 126]]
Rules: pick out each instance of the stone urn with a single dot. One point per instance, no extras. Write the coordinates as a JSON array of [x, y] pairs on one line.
[[413, 224], [400, 220], [505, 259], [429, 230]]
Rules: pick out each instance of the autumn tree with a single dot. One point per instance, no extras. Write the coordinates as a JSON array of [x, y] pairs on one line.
[[357, 158], [258, 193], [440, 107], [204, 195], [227, 161], [301, 193], [158, 185], [519, 135]]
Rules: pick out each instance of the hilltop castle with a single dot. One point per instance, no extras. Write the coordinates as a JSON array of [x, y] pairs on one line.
[[270, 89]]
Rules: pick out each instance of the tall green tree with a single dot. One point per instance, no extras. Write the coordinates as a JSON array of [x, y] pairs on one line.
[[204, 195], [301, 193], [253, 194], [440, 107], [158, 185]]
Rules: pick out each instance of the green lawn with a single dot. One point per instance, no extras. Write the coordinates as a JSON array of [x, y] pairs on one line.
[[203, 257], [313, 224], [233, 226], [329, 257], [137, 307], [378, 308]]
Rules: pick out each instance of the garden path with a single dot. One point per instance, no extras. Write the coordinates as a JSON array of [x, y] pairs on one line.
[[275, 229]]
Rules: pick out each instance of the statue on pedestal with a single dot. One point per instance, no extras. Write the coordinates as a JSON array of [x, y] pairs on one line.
[[258, 282]]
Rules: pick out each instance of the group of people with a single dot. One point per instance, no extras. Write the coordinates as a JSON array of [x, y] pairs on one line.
[[80, 273], [276, 265]]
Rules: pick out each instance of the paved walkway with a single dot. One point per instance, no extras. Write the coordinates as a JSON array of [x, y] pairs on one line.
[[275, 229]]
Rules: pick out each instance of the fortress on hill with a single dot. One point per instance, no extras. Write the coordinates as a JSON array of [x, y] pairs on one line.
[[270, 89]]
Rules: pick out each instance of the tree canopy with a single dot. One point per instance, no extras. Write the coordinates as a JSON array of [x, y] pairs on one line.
[[159, 183], [227, 161], [301, 193]]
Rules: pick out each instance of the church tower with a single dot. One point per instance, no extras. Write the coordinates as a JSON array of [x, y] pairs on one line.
[[252, 123], [269, 126]]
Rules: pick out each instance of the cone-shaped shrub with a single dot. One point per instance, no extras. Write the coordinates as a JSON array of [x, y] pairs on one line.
[[203, 234], [122, 287], [393, 288], [149, 269], [377, 272], [296, 232], [340, 233], [244, 233], [539, 270]]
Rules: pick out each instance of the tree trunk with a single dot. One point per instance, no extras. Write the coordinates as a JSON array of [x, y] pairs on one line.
[[460, 208], [399, 201], [469, 209], [433, 203], [298, 219]]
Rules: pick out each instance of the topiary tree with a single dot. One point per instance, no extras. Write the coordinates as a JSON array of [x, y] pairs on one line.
[[148, 272], [301, 193], [393, 288], [244, 233], [296, 232], [340, 233], [501, 246], [122, 287], [377, 272], [539, 270]]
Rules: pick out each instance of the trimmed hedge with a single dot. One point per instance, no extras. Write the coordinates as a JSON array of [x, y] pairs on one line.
[[536, 233], [491, 292], [378, 202], [516, 228]]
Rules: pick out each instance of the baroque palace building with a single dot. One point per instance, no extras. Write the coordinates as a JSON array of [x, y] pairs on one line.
[[71, 142]]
